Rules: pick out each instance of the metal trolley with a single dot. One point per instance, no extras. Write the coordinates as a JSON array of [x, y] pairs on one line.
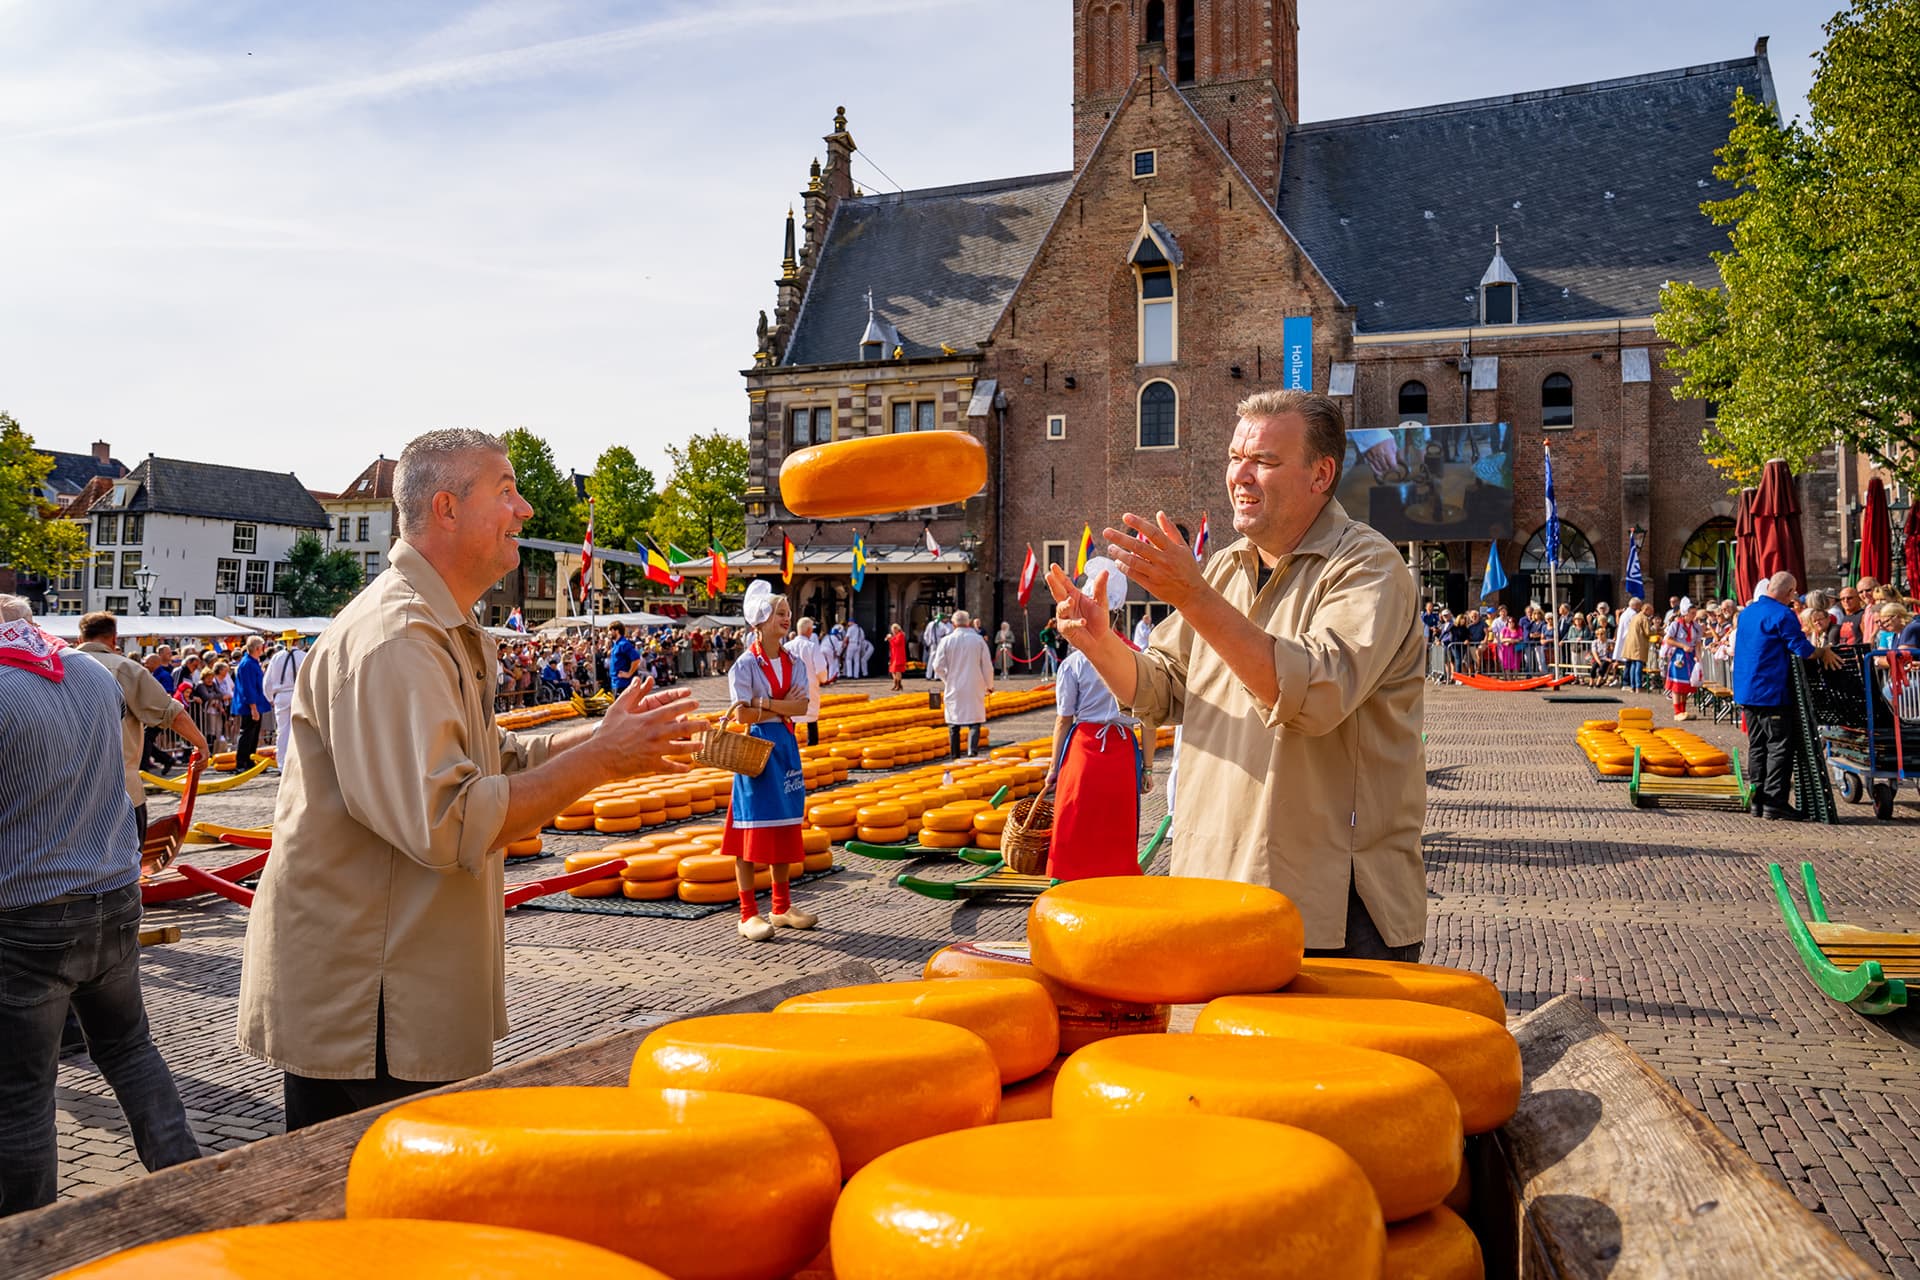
[[1867, 715]]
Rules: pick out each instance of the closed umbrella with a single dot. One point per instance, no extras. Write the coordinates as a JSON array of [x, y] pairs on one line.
[[1876, 534], [1746, 563], [1776, 521], [1911, 553]]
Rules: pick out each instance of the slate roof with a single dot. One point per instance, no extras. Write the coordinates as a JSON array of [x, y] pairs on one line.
[[941, 262], [1596, 189], [174, 486], [71, 471]]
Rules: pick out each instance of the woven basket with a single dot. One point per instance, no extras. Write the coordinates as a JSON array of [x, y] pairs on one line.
[[740, 753], [1028, 835]]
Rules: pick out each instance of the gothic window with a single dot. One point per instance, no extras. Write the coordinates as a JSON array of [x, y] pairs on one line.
[[1556, 401], [1703, 548], [1159, 416], [1413, 403], [1183, 32], [1156, 21], [1576, 553]]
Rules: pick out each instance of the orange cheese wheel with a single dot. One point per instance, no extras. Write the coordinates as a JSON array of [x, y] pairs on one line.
[[938, 797], [987, 839], [649, 890], [415, 1249], [573, 823], [882, 835], [700, 830], [1460, 1199], [661, 864], [1015, 1017], [581, 861], [707, 868], [617, 807], [1396, 1118], [990, 821], [1709, 770], [1475, 1056], [947, 818], [1395, 980], [817, 861], [581, 808], [814, 840], [832, 815], [877, 475], [1437, 1245], [876, 1082], [1145, 1197], [1613, 770], [1165, 939], [524, 1158], [609, 888], [882, 815], [676, 813], [684, 849], [840, 835], [1084, 1018], [1029, 1099], [614, 826], [932, 839], [525, 848], [707, 892]]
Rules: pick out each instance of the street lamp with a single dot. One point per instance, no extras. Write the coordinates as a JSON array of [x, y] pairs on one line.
[[145, 580]]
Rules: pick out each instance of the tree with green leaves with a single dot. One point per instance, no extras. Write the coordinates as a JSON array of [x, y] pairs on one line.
[[1814, 334], [315, 582], [623, 504], [34, 541], [702, 503], [557, 512]]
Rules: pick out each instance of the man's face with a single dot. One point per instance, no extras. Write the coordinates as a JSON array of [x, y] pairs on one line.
[[1269, 478], [487, 521], [1849, 600]]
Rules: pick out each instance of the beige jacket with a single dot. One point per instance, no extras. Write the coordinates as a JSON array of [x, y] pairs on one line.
[[1329, 784], [1633, 636], [385, 884], [143, 702]]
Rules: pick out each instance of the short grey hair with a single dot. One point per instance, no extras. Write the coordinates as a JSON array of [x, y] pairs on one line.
[[430, 464], [15, 609], [961, 618], [1782, 583]]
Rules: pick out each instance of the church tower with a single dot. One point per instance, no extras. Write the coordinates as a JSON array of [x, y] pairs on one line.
[[1237, 61]]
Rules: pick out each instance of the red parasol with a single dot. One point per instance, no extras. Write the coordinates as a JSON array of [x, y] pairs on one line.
[[1746, 563], [1876, 534], [1778, 544], [1912, 553]]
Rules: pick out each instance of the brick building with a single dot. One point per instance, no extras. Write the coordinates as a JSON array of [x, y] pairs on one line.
[[1495, 262]]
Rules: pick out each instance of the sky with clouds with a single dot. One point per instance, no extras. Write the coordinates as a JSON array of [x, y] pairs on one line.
[[294, 235]]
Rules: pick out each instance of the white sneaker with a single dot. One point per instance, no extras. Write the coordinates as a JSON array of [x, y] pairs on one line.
[[756, 929], [794, 918]]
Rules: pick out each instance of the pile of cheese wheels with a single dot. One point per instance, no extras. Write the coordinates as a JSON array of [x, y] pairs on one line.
[[650, 800], [936, 804], [528, 717], [1672, 753], [685, 863]]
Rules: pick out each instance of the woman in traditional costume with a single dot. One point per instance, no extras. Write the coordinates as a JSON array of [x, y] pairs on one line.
[[1098, 770], [767, 811], [1682, 645]]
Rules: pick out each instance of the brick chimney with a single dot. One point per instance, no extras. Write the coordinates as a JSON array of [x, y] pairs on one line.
[[102, 452]]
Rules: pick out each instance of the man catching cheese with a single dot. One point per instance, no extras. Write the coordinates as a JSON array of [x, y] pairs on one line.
[[1294, 662]]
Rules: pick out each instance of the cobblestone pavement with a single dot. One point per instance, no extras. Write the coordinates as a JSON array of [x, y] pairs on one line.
[[1540, 877]]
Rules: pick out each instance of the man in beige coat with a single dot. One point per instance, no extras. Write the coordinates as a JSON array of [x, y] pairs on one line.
[[1295, 665], [144, 705], [375, 954]]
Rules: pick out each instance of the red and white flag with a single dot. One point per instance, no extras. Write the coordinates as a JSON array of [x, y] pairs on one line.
[[1029, 570], [586, 554], [932, 545], [1200, 543]]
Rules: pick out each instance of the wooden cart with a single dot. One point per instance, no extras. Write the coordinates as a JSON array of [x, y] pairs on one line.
[[1861, 968]]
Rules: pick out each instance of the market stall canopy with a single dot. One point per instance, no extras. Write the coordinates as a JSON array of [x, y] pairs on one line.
[[715, 621], [641, 619], [305, 626], [203, 627]]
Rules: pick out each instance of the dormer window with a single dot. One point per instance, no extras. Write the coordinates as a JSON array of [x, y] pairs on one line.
[[1156, 264], [880, 337], [1499, 289]]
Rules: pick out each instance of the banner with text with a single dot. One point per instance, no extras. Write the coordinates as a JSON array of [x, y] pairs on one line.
[[1296, 336]]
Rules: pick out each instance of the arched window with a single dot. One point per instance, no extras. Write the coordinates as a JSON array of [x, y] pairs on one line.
[[1156, 21], [1413, 403], [1159, 416], [1576, 553], [1183, 37], [1556, 401], [1703, 548]]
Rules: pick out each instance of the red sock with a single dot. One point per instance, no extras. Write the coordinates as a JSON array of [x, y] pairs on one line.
[[782, 898], [749, 908]]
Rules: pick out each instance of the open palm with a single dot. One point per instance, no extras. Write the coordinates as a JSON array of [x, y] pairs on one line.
[[1080, 617]]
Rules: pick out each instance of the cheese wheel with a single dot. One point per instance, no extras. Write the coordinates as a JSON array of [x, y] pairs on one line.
[[987, 839], [617, 807], [1029, 1099], [581, 808], [882, 815], [581, 861], [591, 1165], [817, 861], [573, 823], [1165, 939], [1460, 1199], [707, 868], [677, 812], [529, 847], [1396, 1118], [1084, 1018], [417, 1250], [990, 821], [883, 835], [1476, 1057], [932, 839], [609, 888], [814, 840], [1396, 980], [1145, 1197], [614, 826], [840, 835], [947, 818], [707, 892], [661, 864], [650, 890], [700, 831], [877, 475], [1437, 1245], [876, 1082], [832, 815], [1015, 1017]]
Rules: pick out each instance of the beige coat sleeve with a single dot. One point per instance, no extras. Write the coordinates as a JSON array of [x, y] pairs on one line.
[[406, 763], [1360, 624], [1160, 674], [146, 698]]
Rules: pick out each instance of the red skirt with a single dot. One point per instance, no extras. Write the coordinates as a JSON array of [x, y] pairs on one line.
[[1096, 805]]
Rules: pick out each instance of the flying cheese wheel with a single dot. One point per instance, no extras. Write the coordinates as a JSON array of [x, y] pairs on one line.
[[649, 890], [1477, 1058], [1145, 1197], [417, 1250], [1396, 1118], [1084, 1018], [707, 868], [1165, 939], [876, 1082], [644, 1172], [1396, 980], [876, 475], [1015, 1017], [1437, 1245]]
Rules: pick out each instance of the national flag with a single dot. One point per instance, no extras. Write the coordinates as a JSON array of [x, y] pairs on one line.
[[1553, 513], [1029, 570], [1200, 543], [932, 546], [1086, 552], [859, 561], [586, 554], [786, 559], [1636, 589], [1494, 581], [676, 557], [658, 569], [717, 573]]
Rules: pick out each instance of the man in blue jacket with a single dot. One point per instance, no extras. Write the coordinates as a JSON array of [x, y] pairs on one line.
[[1766, 639], [250, 702]]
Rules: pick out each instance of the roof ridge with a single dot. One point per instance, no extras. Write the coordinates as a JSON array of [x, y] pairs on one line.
[[1530, 95], [959, 188]]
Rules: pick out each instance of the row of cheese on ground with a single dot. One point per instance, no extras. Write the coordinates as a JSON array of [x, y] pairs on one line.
[[1676, 753]]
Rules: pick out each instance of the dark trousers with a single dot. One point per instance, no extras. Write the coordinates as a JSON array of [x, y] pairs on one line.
[[953, 739], [152, 758], [1770, 733], [249, 739], [813, 733], [83, 951], [310, 1100], [1363, 937]]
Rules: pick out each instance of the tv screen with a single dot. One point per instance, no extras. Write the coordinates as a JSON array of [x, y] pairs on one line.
[[1451, 482]]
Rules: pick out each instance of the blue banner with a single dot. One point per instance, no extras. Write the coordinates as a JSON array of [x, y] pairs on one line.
[[1634, 587], [1296, 337], [1553, 514]]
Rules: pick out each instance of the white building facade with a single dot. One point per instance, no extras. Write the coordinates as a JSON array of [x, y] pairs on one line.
[[362, 516]]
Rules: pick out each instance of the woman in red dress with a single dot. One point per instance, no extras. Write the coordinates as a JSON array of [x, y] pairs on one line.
[[896, 655], [1098, 771]]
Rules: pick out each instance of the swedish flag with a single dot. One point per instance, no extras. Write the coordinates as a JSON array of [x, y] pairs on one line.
[[859, 561]]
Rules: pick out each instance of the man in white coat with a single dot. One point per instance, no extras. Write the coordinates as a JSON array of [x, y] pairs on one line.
[[810, 664], [937, 630], [964, 667], [853, 666], [283, 669]]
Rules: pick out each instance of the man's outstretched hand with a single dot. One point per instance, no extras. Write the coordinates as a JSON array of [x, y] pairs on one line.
[[1153, 554], [643, 727], [1080, 618]]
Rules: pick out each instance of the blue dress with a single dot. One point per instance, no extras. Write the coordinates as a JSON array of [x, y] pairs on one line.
[[767, 812]]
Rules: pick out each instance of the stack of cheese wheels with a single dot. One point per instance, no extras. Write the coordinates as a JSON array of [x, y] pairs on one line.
[[875, 1081], [708, 877], [1704, 760], [950, 826], [1476, 1056], [417, 1250], [653, 864], [1396, 1118], [1656, 755], [1146, 1197], [526, 847], [1604, 746], [1165, 940], [990, 824], [605, 888], [644, 1172], [1398, 980], [1015, 1017], [1084, 1017], [1437, 1245]]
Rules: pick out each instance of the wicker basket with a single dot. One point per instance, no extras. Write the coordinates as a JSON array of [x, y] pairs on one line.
[[740, 753], [1029, 834]]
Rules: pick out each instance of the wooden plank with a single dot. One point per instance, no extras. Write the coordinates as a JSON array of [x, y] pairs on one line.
[[1851, 935], [1620, 1178], [303, 1175]]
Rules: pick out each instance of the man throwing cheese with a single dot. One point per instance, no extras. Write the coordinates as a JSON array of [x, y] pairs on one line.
[[1294, 662]]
